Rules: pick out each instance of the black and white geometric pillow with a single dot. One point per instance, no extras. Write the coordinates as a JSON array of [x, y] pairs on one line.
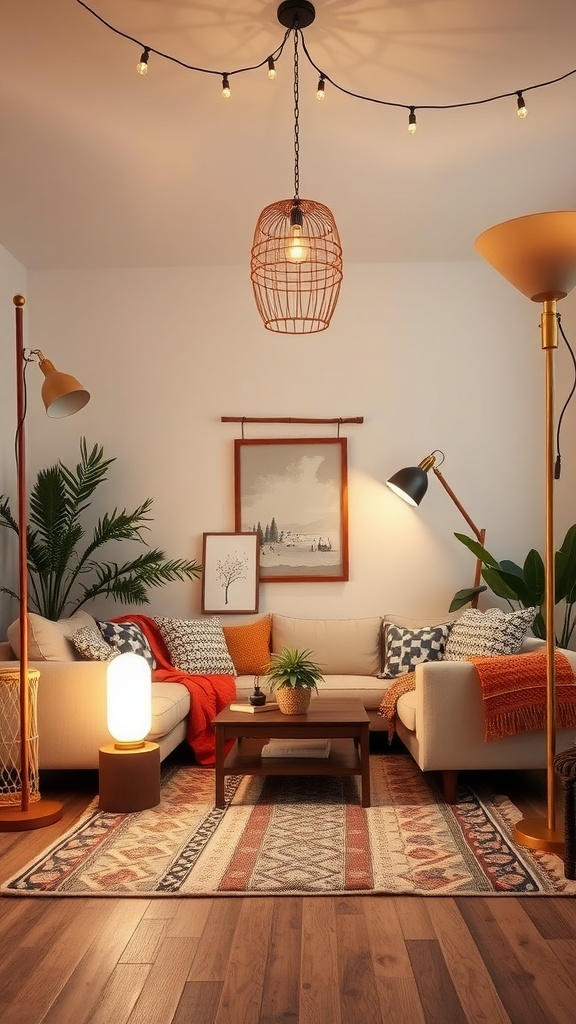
[[127, 637], [92, 645], [490, 634], [197, 646], [406, 648]]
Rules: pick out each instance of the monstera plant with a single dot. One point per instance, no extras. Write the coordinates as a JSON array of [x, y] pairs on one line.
[[524, 584], [64, 569]]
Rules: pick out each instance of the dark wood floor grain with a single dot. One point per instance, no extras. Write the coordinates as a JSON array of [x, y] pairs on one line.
[[287, 960]]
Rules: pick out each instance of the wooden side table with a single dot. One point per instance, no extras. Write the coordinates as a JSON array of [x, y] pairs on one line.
[[129, 780]]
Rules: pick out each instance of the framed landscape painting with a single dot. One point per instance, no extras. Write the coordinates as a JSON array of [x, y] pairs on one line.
[[230, 573], [293, 495]]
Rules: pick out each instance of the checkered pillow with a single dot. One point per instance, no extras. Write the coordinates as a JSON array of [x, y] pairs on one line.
[[92, 645], [406, 648], [127, 637], [490, 634], [197, 646]]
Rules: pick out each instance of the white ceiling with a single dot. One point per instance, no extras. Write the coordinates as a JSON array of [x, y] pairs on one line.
[[101, 167]]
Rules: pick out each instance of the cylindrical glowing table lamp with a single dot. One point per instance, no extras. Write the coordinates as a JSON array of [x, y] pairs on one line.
[[129, 768]]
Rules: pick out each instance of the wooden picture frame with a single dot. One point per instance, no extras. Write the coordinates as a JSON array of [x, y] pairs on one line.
[[230, 573], [293, 494]]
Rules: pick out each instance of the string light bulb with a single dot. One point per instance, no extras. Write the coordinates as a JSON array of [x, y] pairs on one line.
[[142, 65], [522, 111], [412, 126], [271, 69], [320, 91], [225, 87]]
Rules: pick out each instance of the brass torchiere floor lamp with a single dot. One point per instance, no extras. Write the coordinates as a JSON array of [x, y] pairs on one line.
[[537, 254], [62, 395]]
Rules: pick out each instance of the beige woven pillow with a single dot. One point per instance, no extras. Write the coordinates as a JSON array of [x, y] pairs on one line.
[[48, 640]]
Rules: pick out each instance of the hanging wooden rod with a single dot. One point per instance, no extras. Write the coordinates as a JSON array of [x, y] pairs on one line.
[[290, 419]]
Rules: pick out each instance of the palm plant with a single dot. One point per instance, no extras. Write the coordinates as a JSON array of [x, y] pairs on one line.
[[57, 568], [525, 584]]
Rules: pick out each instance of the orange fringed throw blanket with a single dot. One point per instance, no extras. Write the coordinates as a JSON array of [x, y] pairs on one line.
[[514, 693], [210, 694]]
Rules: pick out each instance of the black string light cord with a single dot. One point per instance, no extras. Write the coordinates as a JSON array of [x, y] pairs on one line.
[[323, 77]]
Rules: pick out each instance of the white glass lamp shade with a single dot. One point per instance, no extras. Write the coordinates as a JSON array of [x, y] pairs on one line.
[[129, 693]]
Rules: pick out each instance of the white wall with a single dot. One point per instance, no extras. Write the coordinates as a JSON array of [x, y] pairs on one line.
[[12, 282], [432, 355]]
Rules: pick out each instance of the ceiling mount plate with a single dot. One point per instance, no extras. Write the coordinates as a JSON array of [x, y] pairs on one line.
[[296, 12]]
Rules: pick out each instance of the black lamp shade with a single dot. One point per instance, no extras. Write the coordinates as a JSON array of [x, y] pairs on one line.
[[410, 484]]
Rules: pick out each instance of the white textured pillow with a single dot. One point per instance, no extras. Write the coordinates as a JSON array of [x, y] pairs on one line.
[[405, 648], [493, 633], [49, 640], [197, 646]]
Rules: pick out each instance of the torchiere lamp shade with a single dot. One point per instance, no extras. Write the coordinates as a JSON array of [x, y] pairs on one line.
[[536, 254]]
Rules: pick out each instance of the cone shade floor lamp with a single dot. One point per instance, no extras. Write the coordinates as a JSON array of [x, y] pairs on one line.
[[21, 806], [537, 254]]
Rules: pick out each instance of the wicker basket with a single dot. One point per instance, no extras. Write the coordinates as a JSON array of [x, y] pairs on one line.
[[293, 701], [10, 767]]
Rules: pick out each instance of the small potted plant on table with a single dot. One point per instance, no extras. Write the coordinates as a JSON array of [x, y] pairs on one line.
[[292, 676]]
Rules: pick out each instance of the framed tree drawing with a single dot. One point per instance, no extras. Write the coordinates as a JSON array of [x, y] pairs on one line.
[[293, 494], [230, 573]]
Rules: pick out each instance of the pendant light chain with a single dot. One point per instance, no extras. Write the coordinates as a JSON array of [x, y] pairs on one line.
[[296, 119]]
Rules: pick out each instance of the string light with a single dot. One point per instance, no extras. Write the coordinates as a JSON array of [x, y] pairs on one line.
[[271, 69], [142, 65], [412, 126], [323, 77]]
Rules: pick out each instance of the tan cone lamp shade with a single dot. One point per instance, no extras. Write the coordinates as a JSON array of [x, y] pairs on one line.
[[537, 254], [62, 394]]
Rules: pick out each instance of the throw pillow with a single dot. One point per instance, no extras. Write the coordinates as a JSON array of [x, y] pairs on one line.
[[249, 646], [49, 640], [489, 634], [406, 648], [127, 637], [197, 646], [92, 645]]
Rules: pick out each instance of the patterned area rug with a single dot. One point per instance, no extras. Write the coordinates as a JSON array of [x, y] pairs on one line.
[[296, 835]]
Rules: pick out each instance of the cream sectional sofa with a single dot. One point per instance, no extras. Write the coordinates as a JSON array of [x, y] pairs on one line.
[[440, 722]]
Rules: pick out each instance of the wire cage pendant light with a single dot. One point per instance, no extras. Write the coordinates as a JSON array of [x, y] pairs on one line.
[[296, 256]]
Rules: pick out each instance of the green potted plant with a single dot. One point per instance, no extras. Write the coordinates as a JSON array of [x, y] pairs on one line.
[[65, 573], [525, 584], [292, 676]]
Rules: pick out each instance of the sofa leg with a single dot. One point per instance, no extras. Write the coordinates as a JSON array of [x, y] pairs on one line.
[[449, 785]]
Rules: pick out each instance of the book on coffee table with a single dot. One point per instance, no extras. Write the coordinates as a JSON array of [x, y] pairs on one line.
[[251, 709], [296, 748]]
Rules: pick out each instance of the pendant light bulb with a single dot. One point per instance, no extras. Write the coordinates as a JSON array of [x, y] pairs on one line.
[[271, 69], [320, 91], [142, 65], [522, 111], [298, 249], [225, 87], [412, 126]]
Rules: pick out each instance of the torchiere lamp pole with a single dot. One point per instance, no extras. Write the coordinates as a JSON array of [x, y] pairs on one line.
[[537, 254], [62, 396], [411, 484]]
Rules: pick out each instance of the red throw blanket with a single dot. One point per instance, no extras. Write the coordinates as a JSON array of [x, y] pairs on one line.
[[209, 694], [514, 693]]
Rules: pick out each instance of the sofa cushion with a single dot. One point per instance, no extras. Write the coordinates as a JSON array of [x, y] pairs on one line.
[[249, 646], [196, 645], [493, 633], [127, 638], [91, 644], [405, 648], [368, 689], [170, 704], [49, 640], [339, 646]]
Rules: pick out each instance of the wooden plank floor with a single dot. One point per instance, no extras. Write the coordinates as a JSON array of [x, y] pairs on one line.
[[288, 960]]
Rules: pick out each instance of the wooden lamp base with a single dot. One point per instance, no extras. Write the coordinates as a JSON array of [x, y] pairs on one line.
[[129, 780]]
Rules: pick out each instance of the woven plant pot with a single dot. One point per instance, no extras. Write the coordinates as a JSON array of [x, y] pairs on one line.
[[293, 701]]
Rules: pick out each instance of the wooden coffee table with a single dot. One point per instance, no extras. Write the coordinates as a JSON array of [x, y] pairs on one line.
[[344, 722]]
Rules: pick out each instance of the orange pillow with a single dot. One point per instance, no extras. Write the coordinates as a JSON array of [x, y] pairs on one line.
[[249, 646]]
